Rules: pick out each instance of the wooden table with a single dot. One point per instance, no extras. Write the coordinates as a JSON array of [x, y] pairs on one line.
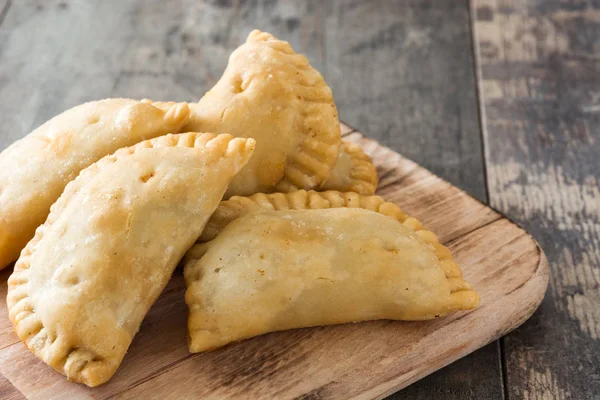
[[501, 98]]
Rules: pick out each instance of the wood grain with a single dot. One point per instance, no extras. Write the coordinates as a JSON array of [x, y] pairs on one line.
[[56, 54], [400, 70], [539, 65], [364, 360], [403, 72], [7, 337], [8, 391]]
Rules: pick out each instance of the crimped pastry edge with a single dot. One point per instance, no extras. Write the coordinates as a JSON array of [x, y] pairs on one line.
[[28, 325]]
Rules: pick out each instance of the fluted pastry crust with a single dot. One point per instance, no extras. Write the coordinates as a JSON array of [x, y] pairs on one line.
[[239, 206], [275, 270], [84, 283]]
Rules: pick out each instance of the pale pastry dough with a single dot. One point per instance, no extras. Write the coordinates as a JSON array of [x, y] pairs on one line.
[[274, 95], [238, 206], [86, 280], [353, 172], [35, 170], [280, 270]]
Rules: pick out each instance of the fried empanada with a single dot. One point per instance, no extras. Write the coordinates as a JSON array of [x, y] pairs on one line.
[[35, 170], [277, 270], [274, 95], [353, 171], [86, 280]]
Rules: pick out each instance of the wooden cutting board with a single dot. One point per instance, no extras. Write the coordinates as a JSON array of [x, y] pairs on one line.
[[366, 360]]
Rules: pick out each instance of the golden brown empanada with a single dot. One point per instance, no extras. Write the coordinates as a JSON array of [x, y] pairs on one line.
[[277, 270], [274, 95], [35, 170], [353, 171], [86, 280]]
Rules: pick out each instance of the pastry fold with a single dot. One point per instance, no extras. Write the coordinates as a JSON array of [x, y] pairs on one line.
[[35, 170], [84, 283]]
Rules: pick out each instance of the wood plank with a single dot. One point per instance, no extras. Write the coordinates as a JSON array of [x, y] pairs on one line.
[[55, 55], [179, 49], [8, 391], [402, 71], [354, 360], [539, 65]]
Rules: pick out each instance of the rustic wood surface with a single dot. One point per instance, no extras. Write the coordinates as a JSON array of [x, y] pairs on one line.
[[366, 360], [404, 72], [539, 65]]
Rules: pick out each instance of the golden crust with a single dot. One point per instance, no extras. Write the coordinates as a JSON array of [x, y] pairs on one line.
[[61, 148], [274, 95], [285, 269], [70, 307], [353, 172]]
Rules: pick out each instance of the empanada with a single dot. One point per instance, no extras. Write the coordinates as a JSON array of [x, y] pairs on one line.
[[86, 280], [239, 206], [277, 270], [353, 171], [35, 170], [274, 95]]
